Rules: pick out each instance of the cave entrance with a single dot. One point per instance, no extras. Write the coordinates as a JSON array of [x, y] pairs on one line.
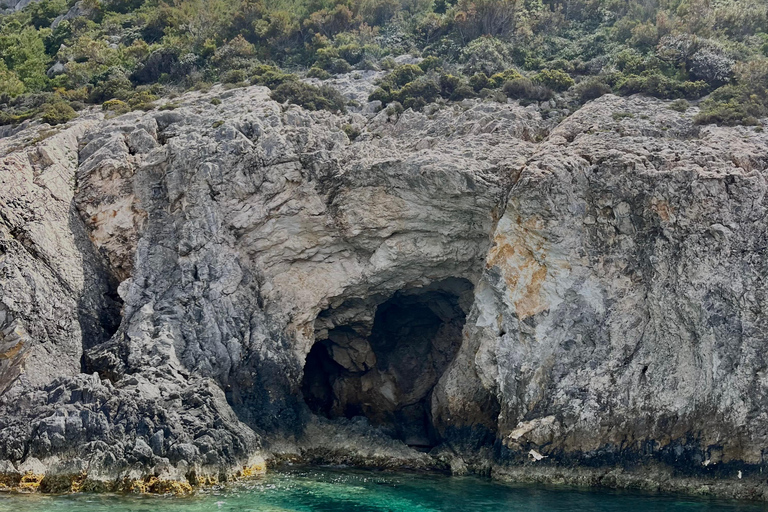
[[381, 358]]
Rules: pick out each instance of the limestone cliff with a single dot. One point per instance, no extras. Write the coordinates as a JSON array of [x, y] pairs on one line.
[[186, 291]]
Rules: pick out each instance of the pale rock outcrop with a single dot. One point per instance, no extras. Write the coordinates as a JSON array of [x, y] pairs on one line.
[[607, 272], [620, 316]]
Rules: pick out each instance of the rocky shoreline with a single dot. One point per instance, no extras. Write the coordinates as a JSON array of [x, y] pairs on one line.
[[190, 292], [645, 478]]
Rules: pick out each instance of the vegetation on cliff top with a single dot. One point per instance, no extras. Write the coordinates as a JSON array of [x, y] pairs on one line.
[[59, 55]]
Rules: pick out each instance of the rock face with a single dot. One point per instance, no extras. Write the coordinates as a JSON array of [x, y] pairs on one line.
[[185, 291], [621, 315]]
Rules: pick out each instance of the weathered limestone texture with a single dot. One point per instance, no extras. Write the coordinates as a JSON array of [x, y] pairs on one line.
[[621, 316], [165, 276]]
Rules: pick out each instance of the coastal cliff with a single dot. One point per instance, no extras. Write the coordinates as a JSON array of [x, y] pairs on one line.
[[190, 291]]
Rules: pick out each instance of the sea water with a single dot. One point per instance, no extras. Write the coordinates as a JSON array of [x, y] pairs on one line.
[[346, 490]]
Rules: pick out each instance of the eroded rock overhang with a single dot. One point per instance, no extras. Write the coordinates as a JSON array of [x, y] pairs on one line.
[[231, 239]]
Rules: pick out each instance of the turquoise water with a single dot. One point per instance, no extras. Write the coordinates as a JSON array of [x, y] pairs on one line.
[[328, 490]]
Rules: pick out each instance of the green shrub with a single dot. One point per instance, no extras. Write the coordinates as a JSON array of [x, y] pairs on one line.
[[448, 84], [395, 109], [742, 103], [388, 63], [234, 76], [727, 113], [525, 89], [142, 100], [351, 53], [679, 105], [555, 79], [58, 112], [381, 95], [215, 101], [493, 95], [316, 72], [404, 74], [479, 81], [337, 66], [309, 96], [111, 84], [352, 131], [454, 88], [487, 55], [660, 86], [408, 85], [430, 63], [10, 83], [499, 79], [271, 76], [591, 89], [418, 93], [80, 94], [7, 117], [116, 107]]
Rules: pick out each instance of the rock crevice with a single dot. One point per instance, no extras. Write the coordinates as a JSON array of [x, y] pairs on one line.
[[179, 295]]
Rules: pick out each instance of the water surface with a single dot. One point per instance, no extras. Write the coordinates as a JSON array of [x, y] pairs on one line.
[[335, 490]]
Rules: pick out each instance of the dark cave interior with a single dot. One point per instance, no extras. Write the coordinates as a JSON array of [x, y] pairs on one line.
[[386, 370]]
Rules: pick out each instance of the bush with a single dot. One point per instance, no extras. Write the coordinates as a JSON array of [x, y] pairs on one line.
[[337, 66], [525, 89], [142, 100], [485, 55], [499, 79], [711, 66], [309, 96], [58, 112], [10, 83], [380, 94], [493, 95], [395, 109], [352, 131], [660, 86], [388, 63], [728, 113], [479, 81], [418, 93], [233, 76], [117, 107], [430, 63], [111, 84], [7, 117], [329, 59], [679, 105], [741, 103], [591, 89], [555, 79], [454, 88], [403, 74], [316, 72], [271, 76], [351, 53]]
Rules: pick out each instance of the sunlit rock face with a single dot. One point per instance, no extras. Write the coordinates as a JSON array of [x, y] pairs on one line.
[[621, 312], [230, 228], [185, 290]]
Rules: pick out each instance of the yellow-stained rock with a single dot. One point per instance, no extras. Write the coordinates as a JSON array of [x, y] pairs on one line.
[[30, 482]]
